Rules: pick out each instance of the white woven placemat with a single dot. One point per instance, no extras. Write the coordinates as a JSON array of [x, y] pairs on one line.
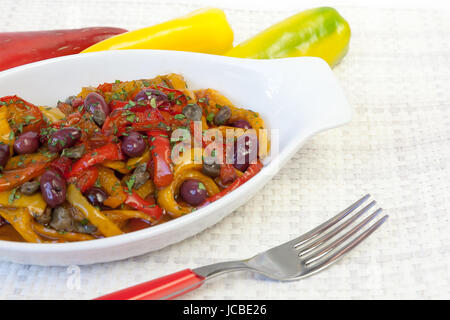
[[397, 147]]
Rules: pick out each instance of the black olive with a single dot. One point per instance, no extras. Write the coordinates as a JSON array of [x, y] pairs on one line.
[[30, 187], [27, 143], [193, 112], [63, 138], [53, 188], [222, 116]]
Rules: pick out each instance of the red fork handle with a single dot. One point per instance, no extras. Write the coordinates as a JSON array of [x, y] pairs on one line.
[[167, 287]]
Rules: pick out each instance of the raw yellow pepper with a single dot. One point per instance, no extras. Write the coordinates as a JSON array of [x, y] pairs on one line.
[[320, 32], [204, 30]]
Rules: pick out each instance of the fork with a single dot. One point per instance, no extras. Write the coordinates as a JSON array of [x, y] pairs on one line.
[[296, 259]]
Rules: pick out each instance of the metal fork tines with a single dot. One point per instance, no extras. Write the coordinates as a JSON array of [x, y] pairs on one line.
[[325, 244], [314, 250]]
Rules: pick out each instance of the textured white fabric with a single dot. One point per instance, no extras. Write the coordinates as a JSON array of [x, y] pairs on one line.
[[397, 147]]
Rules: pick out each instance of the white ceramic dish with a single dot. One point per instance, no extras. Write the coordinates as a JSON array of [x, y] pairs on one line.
[[297, 96]]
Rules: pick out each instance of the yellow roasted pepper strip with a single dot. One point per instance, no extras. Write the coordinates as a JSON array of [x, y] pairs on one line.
[[6, 135], [134, 162], [119, 216], [204, 30], [262, 134], [52, 114], [211, 100], [111, 184], [117, 165], [21, 220], [12, 199], [60, 236], [103, 224], [126, 167], [146, 189], [166, 196], [22, 161]]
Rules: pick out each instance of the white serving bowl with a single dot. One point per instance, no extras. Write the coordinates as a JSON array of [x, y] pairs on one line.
[[298, 97]]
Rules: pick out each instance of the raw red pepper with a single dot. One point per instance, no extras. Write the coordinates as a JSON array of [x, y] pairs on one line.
[[19, 48], [252, 170], [85, 179], [161, 155], [110, 151], [136, 202]]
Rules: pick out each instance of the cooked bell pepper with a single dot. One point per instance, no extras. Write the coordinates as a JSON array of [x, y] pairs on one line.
[[60, 236], [21, 220], [167, 195], [252, 170], [10, 179], [204, 30], [227, 173], [23, 160], [320, 32], [111, 184], [52, 114], [137, 118], [103, 224], [23, 116], [147, 189], [161, 157], [85, 179], [62, 165], [108, 152], [118, 216], [5, 130], [136, 202], [35, 203]]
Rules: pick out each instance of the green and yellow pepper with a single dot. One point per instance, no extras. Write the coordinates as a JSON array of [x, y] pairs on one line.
[[320, 32]]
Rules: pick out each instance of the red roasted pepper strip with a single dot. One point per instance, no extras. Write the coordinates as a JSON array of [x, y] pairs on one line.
[[160, 151], [252, 170], [136, 202], [23, 116], [110, 151], [62, 165], [12, 178], [85, 179], [138, 118]]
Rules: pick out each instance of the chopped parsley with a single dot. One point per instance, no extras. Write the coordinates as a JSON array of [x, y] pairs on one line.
[[201, 186], [13, 196], [210, 116], [180, 116], [130, 183]]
